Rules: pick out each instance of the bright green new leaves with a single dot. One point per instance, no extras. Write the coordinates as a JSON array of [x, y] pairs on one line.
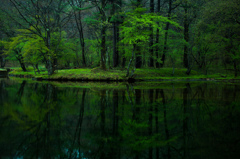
[[136, 26], [30, 46]]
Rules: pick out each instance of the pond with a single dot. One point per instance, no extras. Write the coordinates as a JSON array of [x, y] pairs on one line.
[[196, 120]]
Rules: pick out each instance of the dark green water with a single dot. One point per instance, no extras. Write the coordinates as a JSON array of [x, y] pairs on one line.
[[177, 121]]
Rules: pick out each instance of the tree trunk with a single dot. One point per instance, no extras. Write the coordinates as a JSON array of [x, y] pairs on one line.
[[83, 46], [22, 64], [49, 60], [166, 34], [235, 68], [3, 62], [151, 36], [138, 63], [115, 38], [78, 20], [130, 62], [115, 47], [103, 49], [186, 38], [157, 37]]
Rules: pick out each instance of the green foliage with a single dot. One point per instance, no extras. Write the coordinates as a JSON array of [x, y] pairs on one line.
[[135, 27], [33, 48], [221, 32]]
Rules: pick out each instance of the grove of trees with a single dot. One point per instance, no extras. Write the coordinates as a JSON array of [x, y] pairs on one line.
[[191, 34]]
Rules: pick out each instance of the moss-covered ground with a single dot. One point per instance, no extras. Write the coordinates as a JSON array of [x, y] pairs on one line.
[[144, 74]]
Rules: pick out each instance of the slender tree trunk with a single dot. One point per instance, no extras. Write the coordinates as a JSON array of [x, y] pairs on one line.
[[138, 61], [130, 61], [186, 38], [235, 68], [103, 49], [3, 61], [49, 60], [115, 37], [78, 20], [151, 37], [157, 36], [123, 62], [82, 43], [166, 34]]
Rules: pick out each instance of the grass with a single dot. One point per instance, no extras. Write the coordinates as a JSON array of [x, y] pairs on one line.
[[96, 74], [1, 69]]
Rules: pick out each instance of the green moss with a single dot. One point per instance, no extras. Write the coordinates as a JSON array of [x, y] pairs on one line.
[[96, 74]]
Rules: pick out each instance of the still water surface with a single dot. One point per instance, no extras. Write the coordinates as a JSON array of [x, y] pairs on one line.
[[153, 121]]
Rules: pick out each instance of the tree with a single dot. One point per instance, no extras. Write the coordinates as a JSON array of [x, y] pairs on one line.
[[134, 28], [157, 36], [77, 6], [190, 10], [166, 33], [151, 36], [222, 25], [14, 48], [44, 17], [2, 58], [116, 20]]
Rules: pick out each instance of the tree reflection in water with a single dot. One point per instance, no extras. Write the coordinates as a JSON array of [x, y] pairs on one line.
[[188, 120]]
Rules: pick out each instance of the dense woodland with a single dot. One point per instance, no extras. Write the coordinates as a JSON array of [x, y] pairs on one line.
[[192, 34]]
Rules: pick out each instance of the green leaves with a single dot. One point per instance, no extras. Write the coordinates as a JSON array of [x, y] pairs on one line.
[[135, 28]]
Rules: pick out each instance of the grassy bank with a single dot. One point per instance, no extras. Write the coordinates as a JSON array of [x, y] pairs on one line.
[[87, 74]]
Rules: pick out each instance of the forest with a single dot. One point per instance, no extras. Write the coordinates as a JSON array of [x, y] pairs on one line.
[[202, 35]]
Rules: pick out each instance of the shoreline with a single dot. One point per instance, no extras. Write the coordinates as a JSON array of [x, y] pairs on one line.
[[129, 80], [141, 75]]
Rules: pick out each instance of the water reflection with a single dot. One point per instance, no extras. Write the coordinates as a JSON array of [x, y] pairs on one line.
[[188, 120]]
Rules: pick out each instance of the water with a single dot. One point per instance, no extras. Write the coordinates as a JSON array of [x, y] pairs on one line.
[[119, 121]]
